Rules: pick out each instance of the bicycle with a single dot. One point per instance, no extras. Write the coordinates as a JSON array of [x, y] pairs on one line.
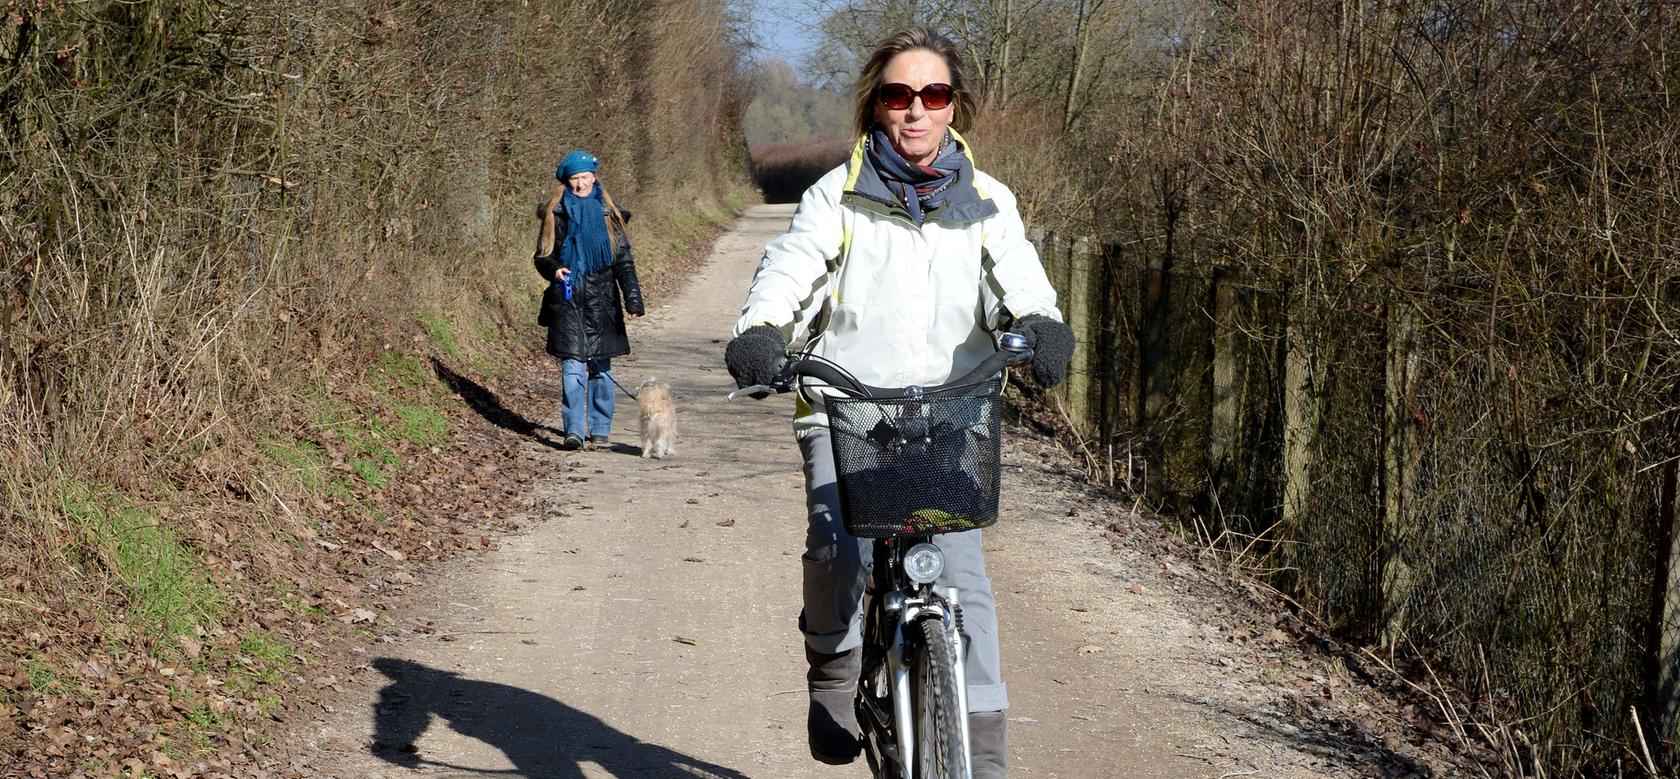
[[912, 463]]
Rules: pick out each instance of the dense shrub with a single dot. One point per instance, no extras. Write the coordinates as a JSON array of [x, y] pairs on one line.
[[214, 213]]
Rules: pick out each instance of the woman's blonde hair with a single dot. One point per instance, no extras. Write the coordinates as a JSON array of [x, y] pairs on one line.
[[924, 39], [545, 238]]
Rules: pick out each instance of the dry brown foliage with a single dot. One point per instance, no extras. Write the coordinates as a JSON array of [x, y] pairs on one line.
[[1460, 219], [221, 222]]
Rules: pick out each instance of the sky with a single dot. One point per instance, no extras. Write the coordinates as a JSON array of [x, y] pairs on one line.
[[782, 29]]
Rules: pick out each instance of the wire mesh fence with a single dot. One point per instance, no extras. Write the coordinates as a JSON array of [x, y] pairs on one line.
[[1438, 487]]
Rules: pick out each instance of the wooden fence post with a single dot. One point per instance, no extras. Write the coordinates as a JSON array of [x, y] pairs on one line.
[[1226, 403], [1079, 314], [1399, 457], [1303, 387], [1049, 253]]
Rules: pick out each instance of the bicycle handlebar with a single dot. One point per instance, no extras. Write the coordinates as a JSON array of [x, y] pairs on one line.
[[1013, 351]]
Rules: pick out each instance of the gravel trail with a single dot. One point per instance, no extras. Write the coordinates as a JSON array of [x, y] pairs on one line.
[[646, 627]]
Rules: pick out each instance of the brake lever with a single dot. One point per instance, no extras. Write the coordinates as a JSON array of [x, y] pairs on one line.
[[756, 392], [782, 383]]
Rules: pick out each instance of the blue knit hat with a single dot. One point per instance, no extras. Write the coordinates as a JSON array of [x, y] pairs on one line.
[[577, 162]]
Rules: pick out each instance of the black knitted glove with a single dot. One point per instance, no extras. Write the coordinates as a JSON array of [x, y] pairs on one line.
[[755, 356], [1052, 345]]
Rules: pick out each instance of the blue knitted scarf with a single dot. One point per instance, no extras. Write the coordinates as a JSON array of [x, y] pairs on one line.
[[587, 248]]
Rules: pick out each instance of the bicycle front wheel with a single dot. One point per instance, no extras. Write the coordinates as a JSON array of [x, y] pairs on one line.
[[940, 752]]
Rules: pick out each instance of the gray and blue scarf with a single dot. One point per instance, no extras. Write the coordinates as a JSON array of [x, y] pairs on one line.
[[921, 188], [588, 247]]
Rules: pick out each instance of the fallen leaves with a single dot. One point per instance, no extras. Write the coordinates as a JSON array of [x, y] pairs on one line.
[[79, 689]]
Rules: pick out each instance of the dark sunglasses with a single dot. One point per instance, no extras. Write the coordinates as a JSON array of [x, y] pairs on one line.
[[898, 96]]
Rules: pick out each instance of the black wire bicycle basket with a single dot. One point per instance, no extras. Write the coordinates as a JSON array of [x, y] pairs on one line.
[[918, 464]]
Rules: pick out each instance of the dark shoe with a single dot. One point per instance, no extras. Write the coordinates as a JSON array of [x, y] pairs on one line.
[[599, 442], [571, 443], [831, 724], [988, 742]]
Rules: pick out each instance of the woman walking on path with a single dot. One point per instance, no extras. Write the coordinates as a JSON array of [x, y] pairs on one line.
[[583, 250], [910, 261]]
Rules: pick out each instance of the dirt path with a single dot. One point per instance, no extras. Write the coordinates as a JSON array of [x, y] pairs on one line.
[[647, 630]]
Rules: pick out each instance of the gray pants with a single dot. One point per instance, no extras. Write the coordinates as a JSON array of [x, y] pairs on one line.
[[836, 567]]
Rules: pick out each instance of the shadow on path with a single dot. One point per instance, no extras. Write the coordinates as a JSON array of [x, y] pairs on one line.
[[633, 450], [1337, 740], [480, 399], [542, 737]]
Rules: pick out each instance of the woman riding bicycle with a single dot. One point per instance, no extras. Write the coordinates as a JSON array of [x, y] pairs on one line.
[[903, 264]]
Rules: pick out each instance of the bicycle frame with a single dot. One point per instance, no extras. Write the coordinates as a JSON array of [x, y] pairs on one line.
[[896, 606]]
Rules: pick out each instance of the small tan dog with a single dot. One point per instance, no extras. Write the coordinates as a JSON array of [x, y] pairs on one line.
[[659, 418]]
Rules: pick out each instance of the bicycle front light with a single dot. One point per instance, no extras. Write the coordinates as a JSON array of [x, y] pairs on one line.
[[923, 563]]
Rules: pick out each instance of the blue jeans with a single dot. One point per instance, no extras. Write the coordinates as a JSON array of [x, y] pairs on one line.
[[586, 390]]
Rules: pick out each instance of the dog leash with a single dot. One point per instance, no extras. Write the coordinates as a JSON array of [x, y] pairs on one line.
[[620, 386]]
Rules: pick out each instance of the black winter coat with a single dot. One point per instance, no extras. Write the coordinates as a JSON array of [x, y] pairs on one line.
[[591, 324]]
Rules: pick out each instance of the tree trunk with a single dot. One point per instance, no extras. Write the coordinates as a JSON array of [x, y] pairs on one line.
[[1663, 678], [1002, 91], [1081, 33]]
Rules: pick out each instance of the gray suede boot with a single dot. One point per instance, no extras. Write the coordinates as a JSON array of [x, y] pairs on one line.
[[988, 741], [831, 724]]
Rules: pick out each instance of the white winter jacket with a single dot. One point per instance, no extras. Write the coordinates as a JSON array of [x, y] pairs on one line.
[[894, 303]]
